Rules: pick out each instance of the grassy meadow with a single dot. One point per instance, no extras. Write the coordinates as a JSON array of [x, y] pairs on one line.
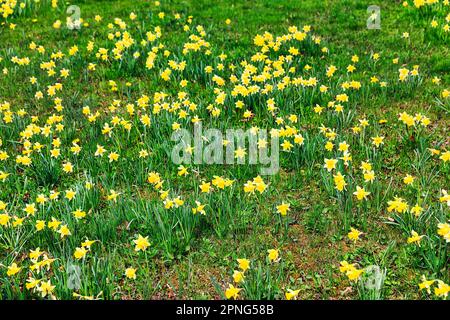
[[93, 207]]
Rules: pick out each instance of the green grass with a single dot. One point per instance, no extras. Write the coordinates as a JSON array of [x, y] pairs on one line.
[[194, 256]]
